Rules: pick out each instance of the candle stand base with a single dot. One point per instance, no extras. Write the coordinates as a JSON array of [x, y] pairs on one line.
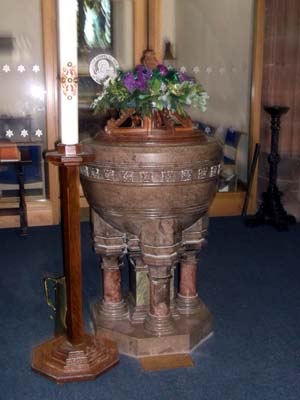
[[63, 362], [272, 212]]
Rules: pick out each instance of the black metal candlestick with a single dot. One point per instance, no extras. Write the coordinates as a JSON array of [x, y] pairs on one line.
[[271, 210]]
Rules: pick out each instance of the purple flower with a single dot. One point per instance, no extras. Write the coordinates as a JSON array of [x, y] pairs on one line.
[[183, 77], [163, 70], [129, 82], [140, 67], [142, 80], [142, 70], [141, 84]]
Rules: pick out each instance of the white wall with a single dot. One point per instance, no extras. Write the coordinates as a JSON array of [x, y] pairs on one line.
[[216, 36], [123, 32], [168, 28]]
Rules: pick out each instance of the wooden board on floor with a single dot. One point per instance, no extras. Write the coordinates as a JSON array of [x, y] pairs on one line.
[[168, 361]]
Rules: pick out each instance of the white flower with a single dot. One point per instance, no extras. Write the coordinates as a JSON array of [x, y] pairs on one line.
[[21, 68], [163, 87], [183, 69], [36, 68], [222, 70], [209, 70], [9, 133], [196, 69], [24, 133], [38, 133], [6, 68]]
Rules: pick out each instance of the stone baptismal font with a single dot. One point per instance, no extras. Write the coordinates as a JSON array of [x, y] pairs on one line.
[[149, 188]]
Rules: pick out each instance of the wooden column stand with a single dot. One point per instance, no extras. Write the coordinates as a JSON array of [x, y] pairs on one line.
[[76, 356]]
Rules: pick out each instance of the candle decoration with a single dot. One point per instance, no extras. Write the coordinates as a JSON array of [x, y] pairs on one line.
[[67, 20]]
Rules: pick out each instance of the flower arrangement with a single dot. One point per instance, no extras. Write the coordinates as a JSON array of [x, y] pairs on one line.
[[146, 90]]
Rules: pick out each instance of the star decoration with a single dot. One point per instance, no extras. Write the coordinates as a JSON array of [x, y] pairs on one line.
[[196, 69], [6, 68], [9, 133], [209, 70], [39, 133], [21, 68], [36, 68], [24, 133], [183, 69]]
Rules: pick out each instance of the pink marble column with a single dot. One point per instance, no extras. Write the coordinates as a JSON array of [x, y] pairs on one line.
[[159, 320], [188, 301], [113, 306], [188, 278], [112, 286]]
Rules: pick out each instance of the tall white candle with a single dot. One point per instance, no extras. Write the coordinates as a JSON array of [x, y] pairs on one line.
[[67, 27]]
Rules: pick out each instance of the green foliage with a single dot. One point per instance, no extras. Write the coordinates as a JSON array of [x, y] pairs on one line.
[[146, 90]]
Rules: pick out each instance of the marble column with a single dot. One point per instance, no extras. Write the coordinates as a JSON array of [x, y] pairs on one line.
[[160, 243], [109, 243], [188, 302], [139, 296], [173, 292], [113, 306], [159, 320]]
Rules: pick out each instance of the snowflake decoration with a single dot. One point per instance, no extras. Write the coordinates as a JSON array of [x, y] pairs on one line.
[[9, 133], [39, 133], [183, 69], [24, 133], [207, 130], [209, 70], [21, 68], [196, 69], [6, 68], [36, 68]]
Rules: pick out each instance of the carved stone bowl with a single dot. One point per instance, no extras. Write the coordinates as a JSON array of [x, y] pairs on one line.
[[137, 179], [150, 188]]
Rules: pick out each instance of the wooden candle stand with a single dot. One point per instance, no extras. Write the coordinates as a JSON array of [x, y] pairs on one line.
[[271, 210], [76, 356]]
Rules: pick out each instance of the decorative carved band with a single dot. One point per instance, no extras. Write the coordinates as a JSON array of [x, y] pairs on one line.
[[101, 173]]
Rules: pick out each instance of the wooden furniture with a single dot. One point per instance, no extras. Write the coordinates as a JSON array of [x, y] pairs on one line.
[[271, 210], [76, 356], [10, 154]]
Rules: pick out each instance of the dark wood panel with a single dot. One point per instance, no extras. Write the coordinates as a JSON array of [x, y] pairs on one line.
[[281, 83]]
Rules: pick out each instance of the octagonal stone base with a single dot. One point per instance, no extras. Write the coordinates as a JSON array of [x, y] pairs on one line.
[[132, 340]]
